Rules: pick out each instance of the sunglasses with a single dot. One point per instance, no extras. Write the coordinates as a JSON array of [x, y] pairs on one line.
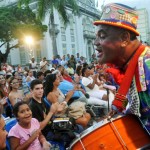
[[15, 83]]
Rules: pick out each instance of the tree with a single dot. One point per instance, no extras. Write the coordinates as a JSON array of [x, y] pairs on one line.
[[45, 6], [15, 24]]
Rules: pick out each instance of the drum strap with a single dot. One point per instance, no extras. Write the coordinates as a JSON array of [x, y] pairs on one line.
[[119, 136], [120, 100], [82, 143]]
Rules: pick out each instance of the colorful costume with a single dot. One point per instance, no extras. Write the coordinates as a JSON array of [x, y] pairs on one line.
[[139, 92]]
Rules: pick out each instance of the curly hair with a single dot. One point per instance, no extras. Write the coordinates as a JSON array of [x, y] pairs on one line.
[[48, 86]]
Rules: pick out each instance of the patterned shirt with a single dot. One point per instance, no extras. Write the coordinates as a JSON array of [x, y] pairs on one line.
[[139, 101]]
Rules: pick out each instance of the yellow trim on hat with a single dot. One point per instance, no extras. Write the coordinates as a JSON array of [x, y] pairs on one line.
[[117, 24]]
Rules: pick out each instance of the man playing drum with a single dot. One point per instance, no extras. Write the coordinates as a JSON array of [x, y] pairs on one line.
[[117, 44]]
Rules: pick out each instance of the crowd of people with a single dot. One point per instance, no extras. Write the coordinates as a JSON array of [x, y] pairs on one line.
[[67, 88]]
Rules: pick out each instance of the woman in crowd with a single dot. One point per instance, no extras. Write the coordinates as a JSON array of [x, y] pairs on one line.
[[4, 86], [2, 98], [30, 76], [2, 72], [54, 95], [92, 70], [70, 70], [15, 95], [3, 132], [26, 134], [19, 69], [78, 72], [66, 75]]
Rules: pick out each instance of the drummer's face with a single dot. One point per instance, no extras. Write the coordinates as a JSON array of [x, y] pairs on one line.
[[108, 44], [3, 134]]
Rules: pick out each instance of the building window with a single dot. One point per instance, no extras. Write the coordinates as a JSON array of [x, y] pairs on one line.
[[62, 30], [64, 48], [63, 37], [72, 31], [22, 55], [73, 49], [72, 39]]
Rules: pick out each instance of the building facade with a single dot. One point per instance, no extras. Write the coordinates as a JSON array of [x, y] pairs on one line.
[[77, 37], [143, 26]]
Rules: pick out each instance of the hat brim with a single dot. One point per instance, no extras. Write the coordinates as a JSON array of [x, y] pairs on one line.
[[116, 24]]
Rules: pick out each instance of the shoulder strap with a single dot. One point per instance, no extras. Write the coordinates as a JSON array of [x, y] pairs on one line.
[[120, 100]]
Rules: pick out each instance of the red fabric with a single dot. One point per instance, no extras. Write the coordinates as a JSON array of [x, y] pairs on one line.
[[68, 78], [117, 75], [126, 82], [138, 85]]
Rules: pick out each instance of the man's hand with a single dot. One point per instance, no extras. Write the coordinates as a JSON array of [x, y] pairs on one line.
[[53, 108], [57, 107], [60, 107], [111, 113]]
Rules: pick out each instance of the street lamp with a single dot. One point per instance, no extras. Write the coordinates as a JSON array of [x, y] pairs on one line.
[[29, 42]]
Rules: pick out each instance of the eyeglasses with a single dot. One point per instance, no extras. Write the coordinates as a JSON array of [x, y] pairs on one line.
[[2, 78], [15, 83]]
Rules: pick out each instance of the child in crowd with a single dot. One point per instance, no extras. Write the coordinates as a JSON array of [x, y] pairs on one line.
[[26, 134]]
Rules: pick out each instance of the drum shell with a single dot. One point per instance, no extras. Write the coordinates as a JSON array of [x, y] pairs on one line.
[[105, 137]]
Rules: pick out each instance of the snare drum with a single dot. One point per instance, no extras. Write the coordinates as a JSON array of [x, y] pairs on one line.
[[121, 133]]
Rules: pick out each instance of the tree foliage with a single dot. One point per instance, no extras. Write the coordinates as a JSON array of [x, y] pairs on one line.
[[15, 24], [48, 6], [45, 6]]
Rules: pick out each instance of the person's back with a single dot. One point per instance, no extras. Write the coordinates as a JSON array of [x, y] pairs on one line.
[[66, 86]]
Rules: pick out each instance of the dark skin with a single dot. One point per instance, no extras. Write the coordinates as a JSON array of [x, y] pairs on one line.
[[91, 85], [115, 46]]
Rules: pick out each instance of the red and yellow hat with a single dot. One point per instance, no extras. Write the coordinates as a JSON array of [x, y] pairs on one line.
[[119, 15]]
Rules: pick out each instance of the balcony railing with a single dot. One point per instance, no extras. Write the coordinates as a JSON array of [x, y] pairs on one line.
[[89, 34]]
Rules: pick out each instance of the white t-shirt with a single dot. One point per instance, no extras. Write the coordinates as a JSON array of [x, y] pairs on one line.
[[70, 70], [86, 81], [33, 65], [43, 65]]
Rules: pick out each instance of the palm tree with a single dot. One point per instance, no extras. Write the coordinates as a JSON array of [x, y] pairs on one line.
[[45, 6]]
